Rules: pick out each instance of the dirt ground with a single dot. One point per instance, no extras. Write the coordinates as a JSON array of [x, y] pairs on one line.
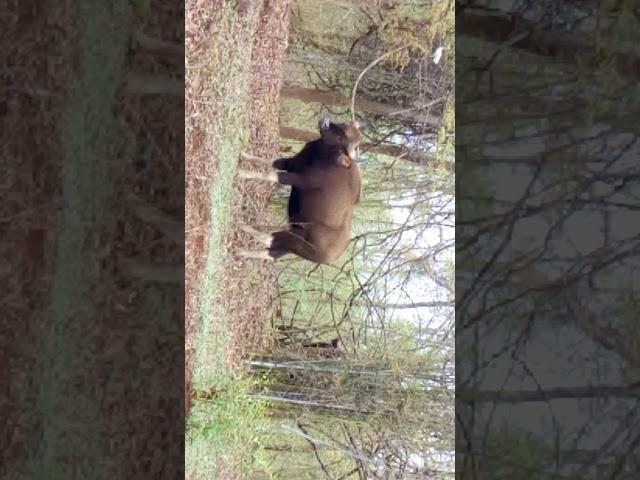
[[109, 330], [242, 292], [31, 196], [106, 327]]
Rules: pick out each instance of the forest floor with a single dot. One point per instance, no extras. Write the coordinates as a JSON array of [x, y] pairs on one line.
[[81, 321], [76, 320], [234, 57]]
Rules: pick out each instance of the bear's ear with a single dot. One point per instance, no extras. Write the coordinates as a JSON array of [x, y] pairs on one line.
[[324, 123]]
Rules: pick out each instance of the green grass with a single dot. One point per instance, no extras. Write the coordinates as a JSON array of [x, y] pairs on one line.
[[226, 428], [229, 428], [211, 339], [226, 88]]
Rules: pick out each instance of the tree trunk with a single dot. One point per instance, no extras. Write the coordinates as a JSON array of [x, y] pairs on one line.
[[560, 46], [153, 85], [161, 47], [421, 158], [171, 227], [399, 306], [309, 95], [591, 391], [139, 268]]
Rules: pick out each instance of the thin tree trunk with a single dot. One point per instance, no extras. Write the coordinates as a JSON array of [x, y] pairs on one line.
[[336, 99], [138, 268], [309, 403], [153, 85], [318, 441], [399, 306], [172, 228], [161, 47], [560, 46], [602, 391]]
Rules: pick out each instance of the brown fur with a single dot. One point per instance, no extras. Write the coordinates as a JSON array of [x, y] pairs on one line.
[[326, 186]]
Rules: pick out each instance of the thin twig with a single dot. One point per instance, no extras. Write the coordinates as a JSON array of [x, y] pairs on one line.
[[366, 69]]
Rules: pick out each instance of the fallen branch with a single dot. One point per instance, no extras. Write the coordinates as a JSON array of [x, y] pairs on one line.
[[153, 85], [169, 226], [161, 47], [137, 268]]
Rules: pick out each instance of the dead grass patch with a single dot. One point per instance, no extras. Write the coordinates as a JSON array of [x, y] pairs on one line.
[[210, 33], [234, 58]]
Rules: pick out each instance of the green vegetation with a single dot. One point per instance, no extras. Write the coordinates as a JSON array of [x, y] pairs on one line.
[[226, 86], [231, 425]]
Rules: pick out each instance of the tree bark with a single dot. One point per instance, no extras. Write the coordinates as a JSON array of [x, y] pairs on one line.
[[139, 268], [171, 227], [559, 46], [161, 47], [310, 95], [399, 306], [153, 85], [602, 391]]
